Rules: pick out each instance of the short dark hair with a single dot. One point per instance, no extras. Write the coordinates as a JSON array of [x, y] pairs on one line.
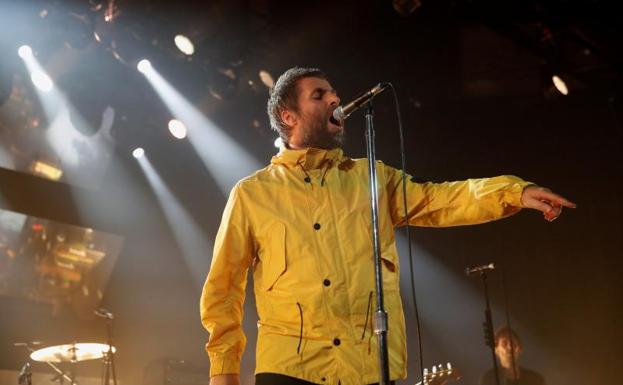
[[284, 96], [506, 332]]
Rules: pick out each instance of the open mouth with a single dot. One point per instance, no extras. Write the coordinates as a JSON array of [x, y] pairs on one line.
[[335, 121]]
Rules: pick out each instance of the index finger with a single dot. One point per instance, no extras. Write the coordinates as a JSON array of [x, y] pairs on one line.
[[555, 198]]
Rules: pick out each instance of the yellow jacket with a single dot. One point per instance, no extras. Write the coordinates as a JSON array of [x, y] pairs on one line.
[[303, 225]]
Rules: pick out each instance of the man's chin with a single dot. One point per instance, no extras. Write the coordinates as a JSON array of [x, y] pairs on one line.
[[334, 142], [334, 128]]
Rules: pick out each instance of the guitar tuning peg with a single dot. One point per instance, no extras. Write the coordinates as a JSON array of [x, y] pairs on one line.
[[434, 369], [449, 366], [440, 367], [426, 371]]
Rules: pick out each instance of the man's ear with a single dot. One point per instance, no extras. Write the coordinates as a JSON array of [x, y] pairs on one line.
[[289, 118]]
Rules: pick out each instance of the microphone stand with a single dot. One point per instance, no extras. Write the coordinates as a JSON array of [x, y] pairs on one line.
[[109, 356], [380, 316], [488, 327]]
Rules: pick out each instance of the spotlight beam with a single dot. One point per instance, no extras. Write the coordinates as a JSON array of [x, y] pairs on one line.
[[65, 140], [191, 240], [225, 159]]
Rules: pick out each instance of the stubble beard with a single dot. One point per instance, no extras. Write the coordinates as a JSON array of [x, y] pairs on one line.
[[317, 134]]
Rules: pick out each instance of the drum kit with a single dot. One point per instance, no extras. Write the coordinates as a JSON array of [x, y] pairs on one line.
[[66, 357]]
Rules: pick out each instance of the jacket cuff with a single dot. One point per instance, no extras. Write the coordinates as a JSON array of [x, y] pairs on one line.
[[519, 188], [224, 363]]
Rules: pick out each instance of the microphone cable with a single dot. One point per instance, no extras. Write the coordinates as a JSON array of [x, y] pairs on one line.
[[403, 157]]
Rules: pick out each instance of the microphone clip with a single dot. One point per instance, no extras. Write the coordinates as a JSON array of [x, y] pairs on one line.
[[471, 271]]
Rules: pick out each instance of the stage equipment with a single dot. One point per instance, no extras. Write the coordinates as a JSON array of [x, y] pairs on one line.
[[184, 44], [109, 357], [138, 152], [469, 271], [439, 375], [25, 376], [177, 128], [267, 79], [341, 113], [69, 353], [488, 323], [103, 313], [380, 316], [75, 352]]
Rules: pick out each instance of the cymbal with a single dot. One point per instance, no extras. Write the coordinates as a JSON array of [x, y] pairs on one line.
[[71, 352]]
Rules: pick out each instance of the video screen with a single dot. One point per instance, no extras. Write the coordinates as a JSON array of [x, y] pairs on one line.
[[62, 265]]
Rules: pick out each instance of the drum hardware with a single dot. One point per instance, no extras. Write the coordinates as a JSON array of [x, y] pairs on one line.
[[109, 357], [62, 355]]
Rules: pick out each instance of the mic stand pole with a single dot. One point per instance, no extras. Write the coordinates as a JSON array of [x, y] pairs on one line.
[[380, 316], [488, 327], [109, 356]]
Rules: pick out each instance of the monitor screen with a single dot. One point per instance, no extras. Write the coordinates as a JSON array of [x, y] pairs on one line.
[[62, 265]]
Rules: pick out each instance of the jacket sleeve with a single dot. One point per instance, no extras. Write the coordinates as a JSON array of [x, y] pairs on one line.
[[471, 201], [224, 289]]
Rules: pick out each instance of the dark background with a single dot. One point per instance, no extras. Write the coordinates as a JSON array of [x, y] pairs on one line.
[[473, 82]]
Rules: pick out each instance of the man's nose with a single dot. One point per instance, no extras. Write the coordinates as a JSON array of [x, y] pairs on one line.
[[334, 100]]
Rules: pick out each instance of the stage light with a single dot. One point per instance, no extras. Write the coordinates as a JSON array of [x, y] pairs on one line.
[[184, 44], [24, 51], [223, 83], [267, 79], [177, 128], [143, 65], [138, 152], [42, 81], [210, 142], [46, 170], [560, 85], [278, 142]]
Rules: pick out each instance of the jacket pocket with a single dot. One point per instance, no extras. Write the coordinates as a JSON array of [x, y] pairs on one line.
[[390, 271], [274, 264], [389, 257]]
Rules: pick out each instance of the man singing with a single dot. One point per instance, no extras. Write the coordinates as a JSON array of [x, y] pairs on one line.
[[303, 225]]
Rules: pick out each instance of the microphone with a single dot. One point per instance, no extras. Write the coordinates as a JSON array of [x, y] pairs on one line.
[[101, 312], [469, 271], [341, 113]]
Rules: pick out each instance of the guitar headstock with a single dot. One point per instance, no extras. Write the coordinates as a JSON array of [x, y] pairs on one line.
[[439, 375]]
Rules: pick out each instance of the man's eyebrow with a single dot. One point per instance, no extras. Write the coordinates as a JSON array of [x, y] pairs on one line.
[[322, 90]]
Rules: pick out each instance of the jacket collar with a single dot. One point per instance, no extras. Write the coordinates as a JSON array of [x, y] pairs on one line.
[[310, 158]]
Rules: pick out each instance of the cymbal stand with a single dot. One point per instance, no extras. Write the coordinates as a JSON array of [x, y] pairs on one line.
[[61, 376], [109, 356], [25, 375]]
